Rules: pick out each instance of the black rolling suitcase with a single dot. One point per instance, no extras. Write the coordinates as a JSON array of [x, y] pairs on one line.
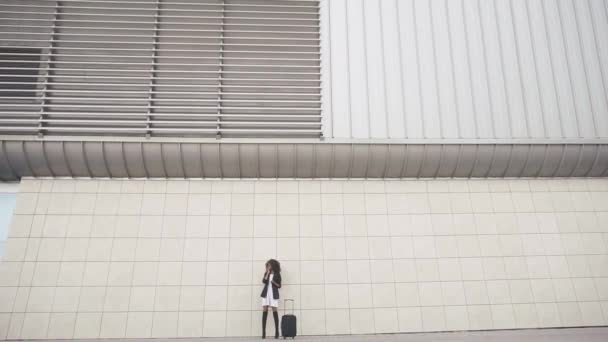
[[288, 322]]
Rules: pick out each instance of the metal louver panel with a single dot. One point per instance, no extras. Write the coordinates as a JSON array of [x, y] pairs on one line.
[[230, 68]]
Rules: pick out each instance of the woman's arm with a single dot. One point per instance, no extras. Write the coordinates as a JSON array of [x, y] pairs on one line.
[[265, 278], [276, 281]]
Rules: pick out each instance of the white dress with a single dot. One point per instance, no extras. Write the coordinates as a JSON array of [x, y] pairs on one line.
[[269, 299]]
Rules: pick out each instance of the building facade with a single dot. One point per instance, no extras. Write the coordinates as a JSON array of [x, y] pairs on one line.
[[415, 165]]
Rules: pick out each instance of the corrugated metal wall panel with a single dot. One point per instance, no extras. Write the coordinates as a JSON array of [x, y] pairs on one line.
[[466, 69]]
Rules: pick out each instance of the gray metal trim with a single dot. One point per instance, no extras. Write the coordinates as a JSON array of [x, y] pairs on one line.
[[270, 159]]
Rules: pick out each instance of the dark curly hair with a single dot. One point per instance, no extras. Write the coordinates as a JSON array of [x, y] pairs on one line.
[[275, 265]]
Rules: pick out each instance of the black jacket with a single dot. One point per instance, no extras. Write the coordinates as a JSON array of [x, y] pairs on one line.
[[275, 289]]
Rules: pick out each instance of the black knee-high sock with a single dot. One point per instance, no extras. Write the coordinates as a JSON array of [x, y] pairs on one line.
[[275, 315], [264, 317]]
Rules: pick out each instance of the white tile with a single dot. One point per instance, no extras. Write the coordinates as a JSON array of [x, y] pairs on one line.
[[265, 204], [336, 296], [332, 204], [7, 298], [193, 273], [96, 274], [113, 325], [521, 291], [264, 248], [51, 249], [548, 314], [456, 318], [217, 273], [142, 298], [332, 225], [537, 266], [440, 203], [405, 270], [264, 226], [91, 299], [476, 292], [195, 249], [174, 226], [127, 186], [139, 325], [410, 319], [542, 290], [127, 226], [381, 271], [446, 247], [155, 186], [13, 331], [288, 226], [427, 270], [287, 186], [311, 248], [241, 249], [494, 268], [190, 324], [87, 325], [116, 299], [516, 267], [171, 249], [498, 292], [145, 273], [289, 248], [335, 272], [61, 325], [129, 204], [286, 204], [240, 297], [430, 294], [123, 249], [78, 225], [120, 274], [503, 316], [311, 226], [238, 323], [220, 204], [380, 248], [564, 290], [386, 320], [310, 204], [242, 204], [164, 324], [216, 298], [337, 321], [570, 314], [592, 313], [424, 246], [199, 204], [311, 272], [55, 226], [453, 293], [334, 248], [312, 296], [40, 299], [147, 250], [584, 289], [361, 321], [214, 324], [525, 315], [192, 298], [433, 318], [354, 204], [35, 326], [66, 299], [99, 249], [46, 274]]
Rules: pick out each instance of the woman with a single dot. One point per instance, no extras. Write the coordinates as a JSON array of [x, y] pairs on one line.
[[270, 295]]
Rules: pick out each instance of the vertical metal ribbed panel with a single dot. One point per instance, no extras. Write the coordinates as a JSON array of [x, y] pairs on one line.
[[470, 69], [160, 67]]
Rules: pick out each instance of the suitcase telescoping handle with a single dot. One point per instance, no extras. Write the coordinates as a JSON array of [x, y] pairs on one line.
[[293, 304]]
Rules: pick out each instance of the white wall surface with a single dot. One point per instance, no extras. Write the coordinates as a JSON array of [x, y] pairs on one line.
[[130, 258], [465, 68]]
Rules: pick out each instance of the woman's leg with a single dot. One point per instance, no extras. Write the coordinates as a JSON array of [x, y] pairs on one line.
[[264, 317], [275, 315]]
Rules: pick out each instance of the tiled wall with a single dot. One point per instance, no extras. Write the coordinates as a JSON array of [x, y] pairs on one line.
[[131, 258]]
